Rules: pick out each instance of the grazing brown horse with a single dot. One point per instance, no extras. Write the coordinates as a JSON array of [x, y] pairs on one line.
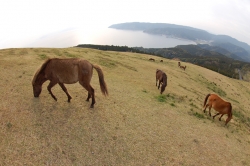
[[162, 77], [68, 71], [161, 60], [218, 104], [183, 67], [151, 59]]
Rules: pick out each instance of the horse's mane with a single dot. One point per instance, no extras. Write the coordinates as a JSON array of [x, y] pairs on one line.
[[40, 70]]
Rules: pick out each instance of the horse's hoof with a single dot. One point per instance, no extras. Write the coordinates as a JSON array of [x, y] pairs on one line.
[[91, 106]]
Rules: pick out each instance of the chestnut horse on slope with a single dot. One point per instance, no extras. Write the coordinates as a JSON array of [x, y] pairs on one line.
[[218, 104], [162, 77], [68, 71]]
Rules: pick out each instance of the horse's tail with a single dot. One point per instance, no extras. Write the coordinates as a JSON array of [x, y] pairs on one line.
[[205, 101], [230, 115], [103, 85]]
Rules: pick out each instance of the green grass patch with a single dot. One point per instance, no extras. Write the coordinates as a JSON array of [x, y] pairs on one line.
[[56, 52], [43, 56], [213, 87], [193, 105], [233, 100], [242, 118], [198, 115], [107, 63], [172, 104], [161, 98]]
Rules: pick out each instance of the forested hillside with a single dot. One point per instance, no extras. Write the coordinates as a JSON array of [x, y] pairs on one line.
[[194, 54]]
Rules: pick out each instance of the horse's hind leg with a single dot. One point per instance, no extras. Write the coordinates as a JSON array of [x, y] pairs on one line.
[[66, 91], [204, 110], [51, 84], [210, 106], [89, 96], [91, 93], [216, 115]]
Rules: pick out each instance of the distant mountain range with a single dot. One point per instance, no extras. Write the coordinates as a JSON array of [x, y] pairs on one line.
[[222, 44]]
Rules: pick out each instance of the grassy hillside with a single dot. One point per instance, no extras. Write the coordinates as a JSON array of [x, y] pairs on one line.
[[134, 125]]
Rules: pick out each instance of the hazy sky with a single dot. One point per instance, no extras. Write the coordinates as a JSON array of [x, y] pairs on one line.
[[25, 22]]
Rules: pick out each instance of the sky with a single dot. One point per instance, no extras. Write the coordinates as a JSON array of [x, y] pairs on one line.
[[52, 23]]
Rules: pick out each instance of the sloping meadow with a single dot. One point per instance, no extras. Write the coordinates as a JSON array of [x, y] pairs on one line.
[[134, 125]]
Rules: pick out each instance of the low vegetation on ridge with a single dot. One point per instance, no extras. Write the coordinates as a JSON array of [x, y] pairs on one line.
[[134, 125]]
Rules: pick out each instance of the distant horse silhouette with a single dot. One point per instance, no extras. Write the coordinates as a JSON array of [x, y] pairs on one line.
[[218, 104], [183, 67], [161, 60], [151, 59], [162, 77], [179, 64], [68, 71]]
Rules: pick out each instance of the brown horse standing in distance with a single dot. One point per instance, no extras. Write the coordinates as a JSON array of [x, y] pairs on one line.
[[151, 59], [218, 104], [179, 64], [68, 71], [183, 67], [162, 77]]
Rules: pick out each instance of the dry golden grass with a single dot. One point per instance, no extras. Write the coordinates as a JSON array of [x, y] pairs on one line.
[[134, 125]]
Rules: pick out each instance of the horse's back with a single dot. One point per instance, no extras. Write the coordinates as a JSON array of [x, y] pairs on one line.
[[65, 70], [219, 104]]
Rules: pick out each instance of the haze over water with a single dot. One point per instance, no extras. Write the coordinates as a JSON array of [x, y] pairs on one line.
[[107, 36]]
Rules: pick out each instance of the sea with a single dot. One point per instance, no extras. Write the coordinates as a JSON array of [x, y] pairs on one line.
[[105, 36]]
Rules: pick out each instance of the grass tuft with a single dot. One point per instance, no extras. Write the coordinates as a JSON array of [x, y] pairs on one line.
[[161, 98], [43, 56]]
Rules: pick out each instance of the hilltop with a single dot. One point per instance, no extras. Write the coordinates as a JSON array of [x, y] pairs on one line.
[[134, 125]]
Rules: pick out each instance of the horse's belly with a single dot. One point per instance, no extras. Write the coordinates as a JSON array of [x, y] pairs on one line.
[[68, 80], [68, 76]]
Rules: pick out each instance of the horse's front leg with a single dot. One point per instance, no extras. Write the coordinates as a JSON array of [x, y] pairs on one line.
[[66, 91], [159, 84], [220, 117], [51, 84]]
